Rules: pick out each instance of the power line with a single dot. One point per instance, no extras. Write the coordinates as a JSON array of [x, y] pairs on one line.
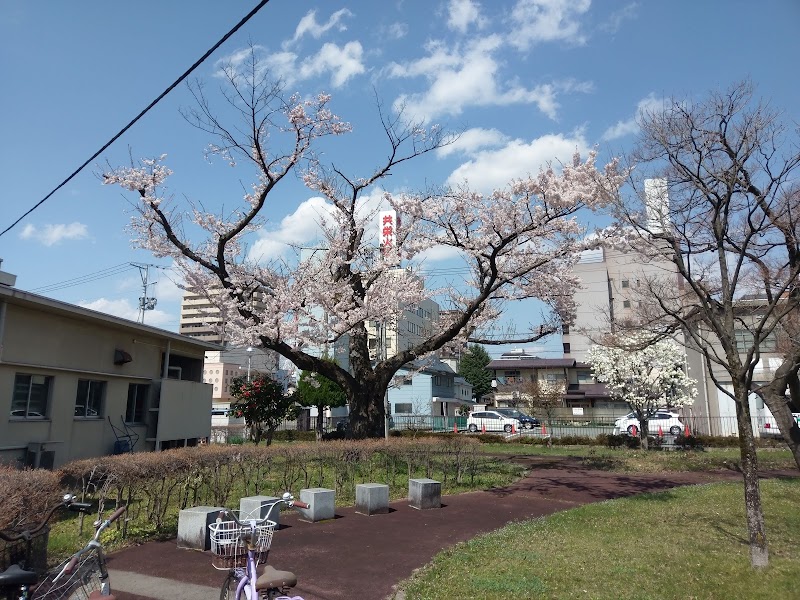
[[81, 279], [141, 114]]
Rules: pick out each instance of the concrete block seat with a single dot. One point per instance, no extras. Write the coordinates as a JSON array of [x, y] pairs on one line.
[[193, 525], [321, 504], [372, 498], [260, 507], [424, 493]]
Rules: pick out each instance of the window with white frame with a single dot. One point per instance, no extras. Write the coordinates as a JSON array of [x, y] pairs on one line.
[[31, 397], [403, 408], [89, 399]]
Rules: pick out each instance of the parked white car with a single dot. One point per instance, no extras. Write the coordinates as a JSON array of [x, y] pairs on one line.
[[767, 426], [669, 422], [491, 420]]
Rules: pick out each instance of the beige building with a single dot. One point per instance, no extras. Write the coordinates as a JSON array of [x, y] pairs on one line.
[[607, 295], [76, 383]]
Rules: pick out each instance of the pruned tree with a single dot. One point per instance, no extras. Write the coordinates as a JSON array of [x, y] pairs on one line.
[[472, 367], [646, 375], [724, 212], [518, 242], [315, 390]]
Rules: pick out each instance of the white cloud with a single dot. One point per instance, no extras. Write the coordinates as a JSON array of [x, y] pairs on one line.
[[494, 169], [537, 21], [308, 24], [472, 140], [395, 31], [630, 126], [297, 229], [50, 235], [341, 62], [470, 76], [618, 17], [125, 309], [462, 14]]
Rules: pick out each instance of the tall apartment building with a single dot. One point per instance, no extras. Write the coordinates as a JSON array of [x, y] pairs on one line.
[[200, 319]]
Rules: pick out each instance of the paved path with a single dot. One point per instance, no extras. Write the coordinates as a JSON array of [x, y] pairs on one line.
[[355, 556]]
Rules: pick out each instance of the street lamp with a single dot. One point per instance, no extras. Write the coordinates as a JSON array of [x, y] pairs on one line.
[[249, 356]]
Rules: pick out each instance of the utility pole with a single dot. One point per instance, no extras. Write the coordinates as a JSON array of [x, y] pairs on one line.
[[145, 303]]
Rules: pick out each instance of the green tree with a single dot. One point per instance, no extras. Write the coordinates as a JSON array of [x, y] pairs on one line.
[[315, 390], [262, 403], [473, 368]]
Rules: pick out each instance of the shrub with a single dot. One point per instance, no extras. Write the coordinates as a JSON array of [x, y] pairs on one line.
[[26, 496]]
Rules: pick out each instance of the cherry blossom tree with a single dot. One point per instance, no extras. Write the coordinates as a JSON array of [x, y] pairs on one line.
[[725, 215], [518, 242], [646, 375]]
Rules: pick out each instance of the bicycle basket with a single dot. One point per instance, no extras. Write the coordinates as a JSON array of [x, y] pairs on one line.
[[77, 585], [18, 553], [229, 548]]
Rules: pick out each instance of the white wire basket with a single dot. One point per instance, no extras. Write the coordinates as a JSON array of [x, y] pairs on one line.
[[76, 585], [229, 545]]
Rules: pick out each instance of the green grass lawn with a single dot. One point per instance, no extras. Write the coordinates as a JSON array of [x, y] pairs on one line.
[[684, 543]]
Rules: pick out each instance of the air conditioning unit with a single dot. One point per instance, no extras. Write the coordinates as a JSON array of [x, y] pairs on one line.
[[38, 457], [174, 373]]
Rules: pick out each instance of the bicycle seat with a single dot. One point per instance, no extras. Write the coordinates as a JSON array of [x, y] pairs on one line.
[[16, 575], [272, 578]]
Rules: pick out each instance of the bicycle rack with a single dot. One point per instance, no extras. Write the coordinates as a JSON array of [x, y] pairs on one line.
[[126, 437]]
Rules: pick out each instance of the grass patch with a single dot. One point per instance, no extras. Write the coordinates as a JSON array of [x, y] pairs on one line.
[[684, 543], [639, 461]]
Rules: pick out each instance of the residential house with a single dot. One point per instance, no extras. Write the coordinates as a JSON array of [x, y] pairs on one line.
[[428, 395], [516, 372], [76, 383]]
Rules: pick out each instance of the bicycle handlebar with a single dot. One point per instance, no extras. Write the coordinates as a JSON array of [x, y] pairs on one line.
[[68, 501], [287, 499]]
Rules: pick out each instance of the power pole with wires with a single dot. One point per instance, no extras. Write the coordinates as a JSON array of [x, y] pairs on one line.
[[145, 302]]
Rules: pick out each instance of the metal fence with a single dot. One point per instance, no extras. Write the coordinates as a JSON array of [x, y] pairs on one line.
[[558, 424]]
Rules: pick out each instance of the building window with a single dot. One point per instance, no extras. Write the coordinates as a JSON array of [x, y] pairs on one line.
[[626, 283], [565, 328], [585, 376], [626, 304], [566, 347], [137, 402], [31, 396], [403, 408], [745, 339], [89, 399]]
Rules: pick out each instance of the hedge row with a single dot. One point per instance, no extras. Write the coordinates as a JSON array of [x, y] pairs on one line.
[[156, 485]]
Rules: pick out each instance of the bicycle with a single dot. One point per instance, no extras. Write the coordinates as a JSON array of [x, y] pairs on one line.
[[240, 546], [83, 576]]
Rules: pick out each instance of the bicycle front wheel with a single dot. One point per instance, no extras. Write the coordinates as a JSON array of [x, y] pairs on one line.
[[228, 591]]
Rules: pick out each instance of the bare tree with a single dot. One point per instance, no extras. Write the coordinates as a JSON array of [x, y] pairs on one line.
[[723, 213], [545, 397]]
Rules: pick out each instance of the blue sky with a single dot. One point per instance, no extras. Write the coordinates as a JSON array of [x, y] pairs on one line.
[[527, 80]]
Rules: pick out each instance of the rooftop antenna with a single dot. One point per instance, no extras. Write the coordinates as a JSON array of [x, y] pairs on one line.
[[145, 302]]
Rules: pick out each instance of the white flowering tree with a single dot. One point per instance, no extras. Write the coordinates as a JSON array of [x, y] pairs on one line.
[[647, 375], [518, 242]]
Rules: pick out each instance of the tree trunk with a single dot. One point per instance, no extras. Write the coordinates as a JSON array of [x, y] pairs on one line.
[[756, 530], [319, 428], [790, 430], [774, 395], [366, 412]]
